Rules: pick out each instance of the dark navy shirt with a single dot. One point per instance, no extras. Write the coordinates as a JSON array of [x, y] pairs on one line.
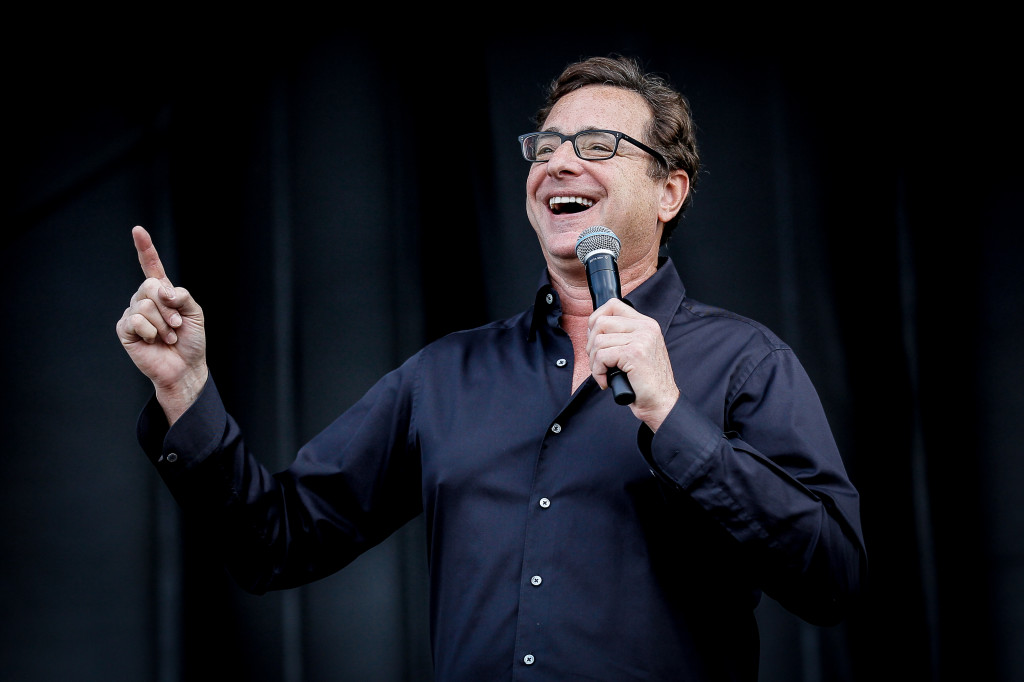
[[566, 540]]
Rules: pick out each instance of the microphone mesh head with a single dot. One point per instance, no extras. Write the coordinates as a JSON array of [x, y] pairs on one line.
[[597, 238]]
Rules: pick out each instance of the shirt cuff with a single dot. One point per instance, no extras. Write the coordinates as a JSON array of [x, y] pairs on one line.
[[684, 446], [192, 438]]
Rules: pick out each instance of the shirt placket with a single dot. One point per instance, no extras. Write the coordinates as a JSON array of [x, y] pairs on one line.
[[539, 575]]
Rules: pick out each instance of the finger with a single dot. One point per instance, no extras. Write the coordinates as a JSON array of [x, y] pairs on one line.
[[181, 300], [614, 307], [148, 310], [609, 330], [161, 299], [149, 259], [599, 371], [135, 325], [608, 350]]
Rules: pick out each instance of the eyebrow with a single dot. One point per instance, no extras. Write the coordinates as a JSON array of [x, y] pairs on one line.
[[555, 129]]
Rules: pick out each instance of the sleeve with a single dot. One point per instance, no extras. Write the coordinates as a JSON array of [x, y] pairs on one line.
[[775, 481], [348, 489]]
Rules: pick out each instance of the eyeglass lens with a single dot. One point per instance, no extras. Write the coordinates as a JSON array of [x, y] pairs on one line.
[[589, 145]]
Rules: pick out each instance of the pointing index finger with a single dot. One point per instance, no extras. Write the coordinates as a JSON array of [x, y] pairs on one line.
[[149, 259]]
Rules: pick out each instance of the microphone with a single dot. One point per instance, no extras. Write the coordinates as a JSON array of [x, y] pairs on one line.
[[598, 249]]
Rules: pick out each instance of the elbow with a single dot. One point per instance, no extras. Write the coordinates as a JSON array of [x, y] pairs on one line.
[[827, 591]]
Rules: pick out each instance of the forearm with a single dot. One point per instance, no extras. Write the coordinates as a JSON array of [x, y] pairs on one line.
[[303, 523], [795, 513], [203, 460]]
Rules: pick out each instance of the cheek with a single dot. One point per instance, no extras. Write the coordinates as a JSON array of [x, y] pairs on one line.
[[646, 194], [531, 216], [533, 180]]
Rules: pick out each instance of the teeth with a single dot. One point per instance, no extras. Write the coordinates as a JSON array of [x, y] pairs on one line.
[[570, 200]]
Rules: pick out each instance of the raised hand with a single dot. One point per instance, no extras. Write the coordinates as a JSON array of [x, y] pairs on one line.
[[164, 334]]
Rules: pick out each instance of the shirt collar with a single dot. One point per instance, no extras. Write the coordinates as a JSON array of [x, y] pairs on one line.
[[659, 297]]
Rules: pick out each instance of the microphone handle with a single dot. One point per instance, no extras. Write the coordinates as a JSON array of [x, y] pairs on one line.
[[603, 280], [622, 391]]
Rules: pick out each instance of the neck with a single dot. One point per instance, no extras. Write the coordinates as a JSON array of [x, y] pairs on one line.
[[574, 291]]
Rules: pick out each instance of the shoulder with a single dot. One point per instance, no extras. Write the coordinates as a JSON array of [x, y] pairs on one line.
[[718, 323], [499, 336], [512, 325]]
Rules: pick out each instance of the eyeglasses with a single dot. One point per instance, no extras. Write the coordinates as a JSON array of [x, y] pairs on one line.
[[591, 145]]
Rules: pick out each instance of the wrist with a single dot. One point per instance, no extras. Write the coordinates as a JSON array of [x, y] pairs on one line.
[[657, 416], [176, 398]]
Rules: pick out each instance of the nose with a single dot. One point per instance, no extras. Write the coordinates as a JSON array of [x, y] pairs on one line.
[[564, 160]]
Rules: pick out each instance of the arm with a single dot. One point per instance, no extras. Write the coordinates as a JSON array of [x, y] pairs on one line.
[[770, 473], [775, 481], [347, 490]]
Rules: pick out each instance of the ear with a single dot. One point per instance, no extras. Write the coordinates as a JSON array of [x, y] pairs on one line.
[[673, 194]]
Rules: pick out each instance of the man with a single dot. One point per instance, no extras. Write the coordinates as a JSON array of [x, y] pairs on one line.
[[569, 537]]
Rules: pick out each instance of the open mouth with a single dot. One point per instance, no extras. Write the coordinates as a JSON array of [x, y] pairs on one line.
[[563, 205]]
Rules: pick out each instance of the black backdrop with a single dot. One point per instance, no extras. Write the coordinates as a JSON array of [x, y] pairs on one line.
[[335, 199]]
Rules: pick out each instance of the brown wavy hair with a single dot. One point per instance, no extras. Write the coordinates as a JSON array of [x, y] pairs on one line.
[[671, 131]]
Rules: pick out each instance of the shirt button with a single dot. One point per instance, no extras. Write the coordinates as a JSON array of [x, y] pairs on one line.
[[172, 457], [549, 299], [544, 502], [528, 659], [536, 580], [556, 428], [560, 362]]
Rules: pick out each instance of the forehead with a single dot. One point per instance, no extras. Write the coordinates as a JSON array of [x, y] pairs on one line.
[[600, 106]]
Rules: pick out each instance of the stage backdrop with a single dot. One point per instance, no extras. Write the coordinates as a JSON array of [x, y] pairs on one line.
[[335, 200]]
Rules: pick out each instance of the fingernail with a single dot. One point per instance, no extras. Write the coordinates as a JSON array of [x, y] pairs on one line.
[[172, 337], [169, 292], [175, 320]]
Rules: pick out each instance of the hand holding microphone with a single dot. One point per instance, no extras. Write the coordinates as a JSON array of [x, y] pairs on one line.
[[598, 249]]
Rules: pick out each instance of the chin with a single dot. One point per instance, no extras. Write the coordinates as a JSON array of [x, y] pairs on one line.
[[562, 241], [561, 254], [558, 234]]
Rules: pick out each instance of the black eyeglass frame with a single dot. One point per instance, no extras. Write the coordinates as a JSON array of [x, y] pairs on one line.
[[618, 137]]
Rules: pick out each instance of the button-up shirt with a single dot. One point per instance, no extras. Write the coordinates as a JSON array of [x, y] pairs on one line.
[[565, 539]]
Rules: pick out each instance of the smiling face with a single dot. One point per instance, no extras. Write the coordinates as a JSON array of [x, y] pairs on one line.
[[568, 194]]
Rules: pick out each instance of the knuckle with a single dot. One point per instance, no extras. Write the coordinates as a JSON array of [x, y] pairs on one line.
[[146, 305], [141, 325]]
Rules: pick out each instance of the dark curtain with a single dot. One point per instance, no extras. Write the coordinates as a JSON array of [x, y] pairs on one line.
[[337, 199]]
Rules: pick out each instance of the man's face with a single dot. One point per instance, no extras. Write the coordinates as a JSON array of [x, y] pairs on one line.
[[568, 194]]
